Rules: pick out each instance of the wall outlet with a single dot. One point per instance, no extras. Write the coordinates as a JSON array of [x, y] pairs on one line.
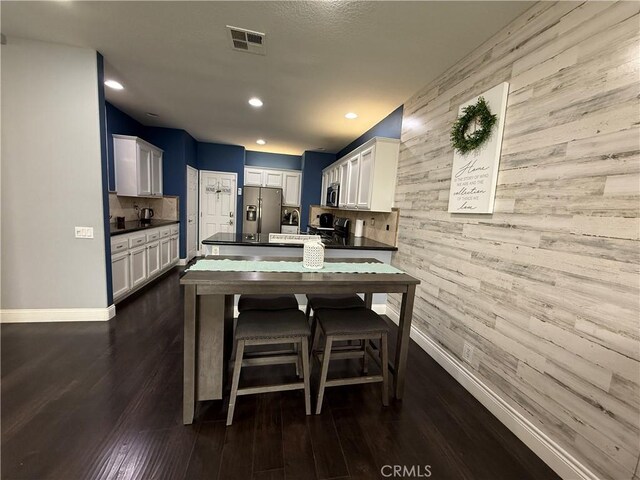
[[215, 250], [84, 232], [373, 222], [467, 352], [387, 228]]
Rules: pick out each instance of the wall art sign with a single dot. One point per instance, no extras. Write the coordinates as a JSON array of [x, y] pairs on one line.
[[474, 173]]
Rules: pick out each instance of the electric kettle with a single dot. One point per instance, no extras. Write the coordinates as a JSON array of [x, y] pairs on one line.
[[146, 214]]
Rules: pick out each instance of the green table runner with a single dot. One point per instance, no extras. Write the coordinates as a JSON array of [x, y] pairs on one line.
[[225, 265]]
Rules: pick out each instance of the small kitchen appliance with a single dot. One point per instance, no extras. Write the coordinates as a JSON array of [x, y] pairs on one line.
[[326, 220], [333, 195], [145, 215]]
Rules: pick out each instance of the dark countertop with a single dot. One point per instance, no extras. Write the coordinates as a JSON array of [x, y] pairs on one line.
[[135, 225], [262, 240]]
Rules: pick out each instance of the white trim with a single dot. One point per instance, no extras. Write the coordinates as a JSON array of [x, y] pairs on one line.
[[29, 315], [556, 457]]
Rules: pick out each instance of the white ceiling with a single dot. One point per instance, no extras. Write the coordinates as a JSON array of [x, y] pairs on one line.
[[324, 59]]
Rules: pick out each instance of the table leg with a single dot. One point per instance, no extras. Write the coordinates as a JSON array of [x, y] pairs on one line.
[[402, 344], [189, 386], [210, 366], [368, 300]]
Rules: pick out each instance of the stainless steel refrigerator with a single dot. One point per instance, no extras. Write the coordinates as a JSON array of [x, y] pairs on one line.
[[261, 210]]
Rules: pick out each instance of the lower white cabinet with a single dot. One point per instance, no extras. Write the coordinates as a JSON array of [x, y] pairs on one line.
[[138, 258], [153, 258], [165, 252], [138, 262], [120, 273]]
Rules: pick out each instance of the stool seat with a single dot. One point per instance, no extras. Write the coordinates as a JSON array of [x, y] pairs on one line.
[[269, 324], [351, 322], [266, 302], [337, 302]]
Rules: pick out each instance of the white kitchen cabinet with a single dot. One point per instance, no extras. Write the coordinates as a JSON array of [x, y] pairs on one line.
[[153, 258], [253, 177], [290, 181], [165, 252], [138, 265], [367, 175], [353, 168], [291, 187], [175, 252], [120, 274], [325, 186], [138, 167]]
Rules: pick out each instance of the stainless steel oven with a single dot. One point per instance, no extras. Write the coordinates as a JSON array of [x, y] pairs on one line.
[[333, 195]]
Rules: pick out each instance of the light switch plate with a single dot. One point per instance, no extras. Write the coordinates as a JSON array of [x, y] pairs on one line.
[[239, 191], [84, 232]]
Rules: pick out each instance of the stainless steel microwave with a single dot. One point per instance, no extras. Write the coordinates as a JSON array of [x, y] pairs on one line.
[[333, 195]]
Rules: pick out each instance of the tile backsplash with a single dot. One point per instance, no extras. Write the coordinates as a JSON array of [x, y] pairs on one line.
[[165, 208], [375, 223]]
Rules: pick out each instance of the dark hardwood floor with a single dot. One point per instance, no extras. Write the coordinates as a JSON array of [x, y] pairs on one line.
[[104, 400]]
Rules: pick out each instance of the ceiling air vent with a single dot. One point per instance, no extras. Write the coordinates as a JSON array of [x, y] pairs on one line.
[[247, 40]]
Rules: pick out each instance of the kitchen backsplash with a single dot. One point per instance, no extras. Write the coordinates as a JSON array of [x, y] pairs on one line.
[[165, 208], [375, 230]]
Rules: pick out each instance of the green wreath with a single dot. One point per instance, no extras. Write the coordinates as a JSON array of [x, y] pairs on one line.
[[479, 113]]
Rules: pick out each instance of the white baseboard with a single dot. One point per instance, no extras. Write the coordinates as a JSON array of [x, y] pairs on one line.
[[29, 315], [561, 461]]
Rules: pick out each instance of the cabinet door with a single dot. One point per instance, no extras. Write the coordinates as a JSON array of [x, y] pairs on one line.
[[165, 252], [175, 254], [253, 177], [365, 179], [352, 180], [272, 178], [325, 185], [153, 259], [291, 189], [138, 264], [144, 170], [344, 184], [156, 173], [120, 274]]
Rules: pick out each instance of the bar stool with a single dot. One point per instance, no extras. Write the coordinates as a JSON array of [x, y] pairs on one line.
[[335, 302], [269, 327], [351, 324]]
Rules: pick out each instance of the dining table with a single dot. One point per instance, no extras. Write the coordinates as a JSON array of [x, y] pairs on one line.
[[209, 313]]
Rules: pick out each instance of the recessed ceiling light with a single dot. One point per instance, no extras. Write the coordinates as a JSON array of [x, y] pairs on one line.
[[154, 115], [255, 102], [261, 142], [113, 84], [351, 115]]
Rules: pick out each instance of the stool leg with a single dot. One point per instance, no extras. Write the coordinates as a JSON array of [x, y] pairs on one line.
[[235, 381], [298, 369], [315, 335], [365, 368], [306, 373], [308, 310], [384, 357], [323, 373]]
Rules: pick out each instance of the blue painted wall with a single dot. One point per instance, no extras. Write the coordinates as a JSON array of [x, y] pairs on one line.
[[273, 160], [223, 158], [390, 126], [104, 161], [119, 123], [312, 165]]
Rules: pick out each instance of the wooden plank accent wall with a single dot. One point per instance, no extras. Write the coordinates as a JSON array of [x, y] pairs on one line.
[[547, 288]]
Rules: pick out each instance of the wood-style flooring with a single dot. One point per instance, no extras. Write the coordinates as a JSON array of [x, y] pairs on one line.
[[104, 400]]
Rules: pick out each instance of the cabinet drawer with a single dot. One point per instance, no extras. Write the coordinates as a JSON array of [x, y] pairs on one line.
[[137, 240], [153, 236], [119, 245], [165, 232], [175, 229]]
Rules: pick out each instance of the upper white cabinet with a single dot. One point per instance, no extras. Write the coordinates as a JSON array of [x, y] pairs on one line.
[[289, 180], [138, 166], [367, 175]]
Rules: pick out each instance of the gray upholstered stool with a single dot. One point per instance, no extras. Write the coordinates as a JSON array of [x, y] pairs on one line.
[[351, 324], [336, 302], [268, 327], [266, 302]]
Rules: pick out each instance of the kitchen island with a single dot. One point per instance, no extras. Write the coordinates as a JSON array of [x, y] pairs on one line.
[[259, 245]]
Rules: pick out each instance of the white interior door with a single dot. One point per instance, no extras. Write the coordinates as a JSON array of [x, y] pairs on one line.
[[217, 203], [192, 212]]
